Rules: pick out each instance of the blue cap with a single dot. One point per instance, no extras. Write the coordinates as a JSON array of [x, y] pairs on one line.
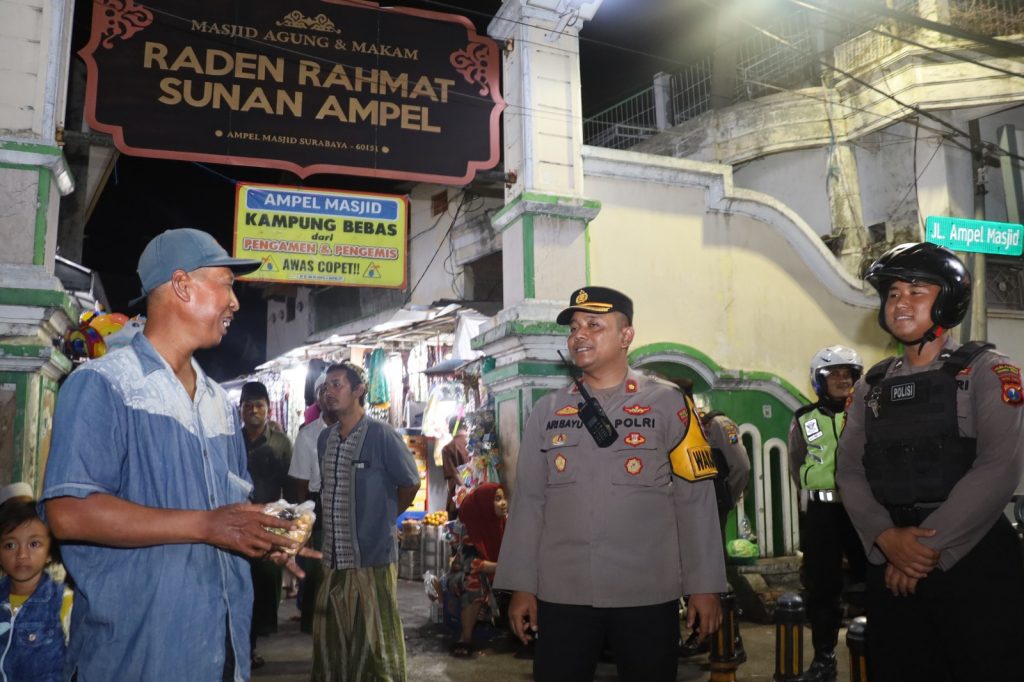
[[184, 249]]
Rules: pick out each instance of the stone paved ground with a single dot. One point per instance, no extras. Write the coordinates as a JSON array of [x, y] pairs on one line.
[[288, 652]]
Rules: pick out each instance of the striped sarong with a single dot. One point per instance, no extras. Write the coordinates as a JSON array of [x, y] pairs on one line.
[[357, 632]]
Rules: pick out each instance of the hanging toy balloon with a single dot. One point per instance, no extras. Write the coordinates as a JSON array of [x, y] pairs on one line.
[[94, 343], [108, 324]]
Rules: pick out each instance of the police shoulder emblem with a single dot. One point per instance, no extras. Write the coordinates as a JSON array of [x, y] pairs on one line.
[[634, 439], [560, 463], [634, 465], [1009, 379], [731, 432]]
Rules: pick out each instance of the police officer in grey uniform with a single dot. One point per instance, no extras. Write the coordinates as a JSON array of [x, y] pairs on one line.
[[601, 542], [932, 451], [733, 464], [731, 458]]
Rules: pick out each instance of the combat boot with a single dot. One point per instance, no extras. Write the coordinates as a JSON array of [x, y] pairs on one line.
[[823, 668]]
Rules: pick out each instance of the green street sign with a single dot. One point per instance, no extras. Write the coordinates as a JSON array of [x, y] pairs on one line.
[[977, 236]]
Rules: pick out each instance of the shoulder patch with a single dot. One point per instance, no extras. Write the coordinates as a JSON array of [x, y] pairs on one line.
[[684, 416], [1006, 369], [731, 432], [1009, 379]]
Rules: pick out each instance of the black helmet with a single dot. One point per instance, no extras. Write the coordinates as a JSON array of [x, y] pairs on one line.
[[924, 262]]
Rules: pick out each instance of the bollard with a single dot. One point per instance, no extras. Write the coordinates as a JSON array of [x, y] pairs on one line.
[[789, 638], [724, 658], [855, 640]]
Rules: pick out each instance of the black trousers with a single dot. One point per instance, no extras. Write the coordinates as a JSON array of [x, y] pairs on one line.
[[644, 641], [826, 537], [266, 589], [962, 625]]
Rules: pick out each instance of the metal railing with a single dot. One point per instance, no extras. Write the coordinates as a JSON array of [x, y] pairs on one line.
[[766, 66], [691, 91], [625, 124], [988, 17], [762, 59]]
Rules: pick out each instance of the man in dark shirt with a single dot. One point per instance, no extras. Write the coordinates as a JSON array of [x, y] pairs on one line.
[[269, 454]]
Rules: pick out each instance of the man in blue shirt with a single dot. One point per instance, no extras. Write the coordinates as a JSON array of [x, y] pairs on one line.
[[146, 482], [368, 478]]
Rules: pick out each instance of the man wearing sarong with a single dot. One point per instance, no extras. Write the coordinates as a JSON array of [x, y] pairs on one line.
[[368, 477]]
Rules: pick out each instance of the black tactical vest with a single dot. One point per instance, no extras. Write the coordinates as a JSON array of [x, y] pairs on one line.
[[914, 453], [722, 494]]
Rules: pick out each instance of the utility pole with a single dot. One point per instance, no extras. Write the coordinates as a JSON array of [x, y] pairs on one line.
[[976, 327]]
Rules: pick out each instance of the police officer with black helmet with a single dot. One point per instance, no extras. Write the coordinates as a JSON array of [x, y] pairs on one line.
[[932, 451]]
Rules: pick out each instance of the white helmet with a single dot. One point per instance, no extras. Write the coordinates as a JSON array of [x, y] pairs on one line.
[[830, 358]]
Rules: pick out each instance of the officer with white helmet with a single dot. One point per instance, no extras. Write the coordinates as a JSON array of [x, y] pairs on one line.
[[932, 451], [826, 534]]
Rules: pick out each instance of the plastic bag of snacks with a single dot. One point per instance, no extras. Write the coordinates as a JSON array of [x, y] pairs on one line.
[[301, 514]]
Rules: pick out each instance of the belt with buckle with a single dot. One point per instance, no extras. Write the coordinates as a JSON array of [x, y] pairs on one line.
[[823, 495]]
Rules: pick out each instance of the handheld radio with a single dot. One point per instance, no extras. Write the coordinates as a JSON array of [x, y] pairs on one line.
[[591, 413]]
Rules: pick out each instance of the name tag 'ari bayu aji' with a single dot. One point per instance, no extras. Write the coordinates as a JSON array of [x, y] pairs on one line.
[[692, 458]]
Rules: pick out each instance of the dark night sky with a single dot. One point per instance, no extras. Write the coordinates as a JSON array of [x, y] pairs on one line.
[[626, 43]]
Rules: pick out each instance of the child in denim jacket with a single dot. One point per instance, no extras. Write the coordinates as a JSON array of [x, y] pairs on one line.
[[34, 609]]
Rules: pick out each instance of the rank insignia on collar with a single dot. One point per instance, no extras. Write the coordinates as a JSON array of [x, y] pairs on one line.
[[560, 462], [636, 409], [634, 465], [567, 411], [634, 439], [631, 386], [558, 439]]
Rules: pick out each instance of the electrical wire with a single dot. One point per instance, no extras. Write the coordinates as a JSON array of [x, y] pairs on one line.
[[880, 31], [914, 183], [540, 114], [810, 55], [438, 249]]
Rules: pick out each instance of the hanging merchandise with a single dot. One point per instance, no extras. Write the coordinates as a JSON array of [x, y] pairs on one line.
[[484, 464], [447, 399], [89, 340], [379, 394], [123, 336]]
